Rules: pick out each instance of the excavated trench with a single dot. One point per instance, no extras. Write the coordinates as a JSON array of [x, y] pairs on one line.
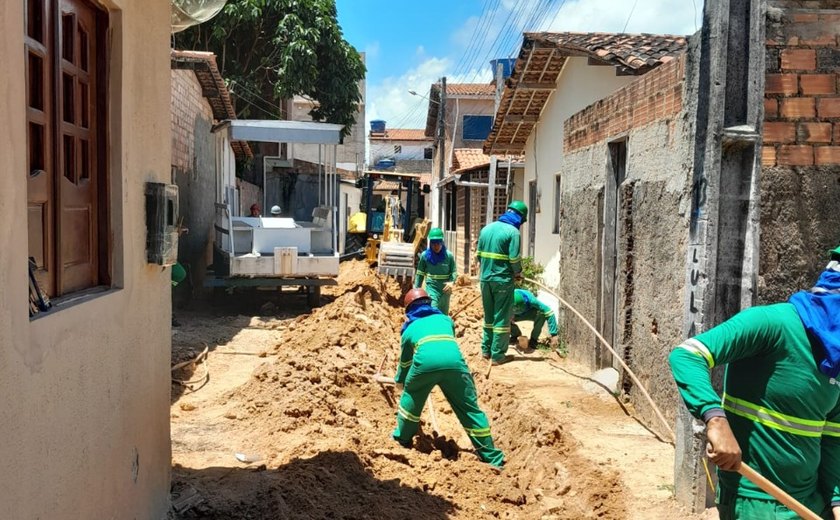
[[323, 427]]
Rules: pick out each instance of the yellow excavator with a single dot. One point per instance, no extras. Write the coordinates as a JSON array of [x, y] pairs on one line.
[[384, 237]]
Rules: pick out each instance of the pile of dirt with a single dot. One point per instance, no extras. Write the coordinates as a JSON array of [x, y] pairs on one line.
[[322, 427]]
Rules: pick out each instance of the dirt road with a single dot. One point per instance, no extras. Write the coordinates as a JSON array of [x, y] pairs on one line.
[[315, 429]]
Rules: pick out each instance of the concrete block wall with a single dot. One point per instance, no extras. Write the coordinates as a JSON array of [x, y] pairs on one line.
[[800, 180]]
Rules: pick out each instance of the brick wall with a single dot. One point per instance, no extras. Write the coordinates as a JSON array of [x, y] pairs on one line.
[[656, 95], [187, 103], [802, 90]]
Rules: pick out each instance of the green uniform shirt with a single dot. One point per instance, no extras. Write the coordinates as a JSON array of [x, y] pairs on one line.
[[436, 275], [429, 344], [784, 413], [498, 249], [530, 306]]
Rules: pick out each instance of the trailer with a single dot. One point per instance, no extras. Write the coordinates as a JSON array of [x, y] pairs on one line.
[[277, 252]]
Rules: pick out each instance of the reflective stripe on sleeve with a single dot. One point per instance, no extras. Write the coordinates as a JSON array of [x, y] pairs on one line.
[[699, 349], [832, 429]]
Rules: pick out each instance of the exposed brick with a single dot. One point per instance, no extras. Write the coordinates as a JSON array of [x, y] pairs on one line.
[[798, 107], [781, 84], [827, 155], [799, 59], [805, 17], [818, 84], [836, 133], [813, 133], [796, 155], [780, 132], [828, 107], [768, 156], [771, 108]]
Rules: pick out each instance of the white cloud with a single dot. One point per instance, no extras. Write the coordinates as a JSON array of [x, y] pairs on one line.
[[649, 16], [391, 101], [478, 40]]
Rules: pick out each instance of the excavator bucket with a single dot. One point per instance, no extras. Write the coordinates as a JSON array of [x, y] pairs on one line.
[[396, 259]]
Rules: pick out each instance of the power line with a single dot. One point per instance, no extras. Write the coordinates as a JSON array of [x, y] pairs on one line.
[[629, 16]]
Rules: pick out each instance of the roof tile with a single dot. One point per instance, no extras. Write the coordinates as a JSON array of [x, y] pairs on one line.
[[401, 134]]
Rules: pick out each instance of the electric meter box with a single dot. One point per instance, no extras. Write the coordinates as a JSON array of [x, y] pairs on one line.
[[161, 223]]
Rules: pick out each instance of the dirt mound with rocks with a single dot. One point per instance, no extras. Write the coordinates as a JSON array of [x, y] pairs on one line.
[[322, 426]]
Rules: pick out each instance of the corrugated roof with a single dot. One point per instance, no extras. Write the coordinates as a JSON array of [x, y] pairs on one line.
[[401, 134], [540, 60], [213, 88], [474, 90]]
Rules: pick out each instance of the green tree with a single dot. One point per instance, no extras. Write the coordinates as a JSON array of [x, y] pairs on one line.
[[270, 50]]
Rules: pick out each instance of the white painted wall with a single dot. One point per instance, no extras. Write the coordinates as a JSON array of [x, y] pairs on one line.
[[578, 86], [409, 150]]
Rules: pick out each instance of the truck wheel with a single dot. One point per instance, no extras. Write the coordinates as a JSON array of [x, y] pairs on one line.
[[313, 296]]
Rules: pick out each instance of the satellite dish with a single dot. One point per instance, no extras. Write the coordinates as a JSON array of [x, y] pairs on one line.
[[186, 13]]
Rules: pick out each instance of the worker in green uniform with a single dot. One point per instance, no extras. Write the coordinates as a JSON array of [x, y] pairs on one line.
[[780, 411], [437, 266], [526, 307], [430, 357], [500, 262]]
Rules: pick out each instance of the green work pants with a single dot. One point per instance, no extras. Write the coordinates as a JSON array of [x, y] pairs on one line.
[[532, 315], [459, 390], [732, 507], [497, 300], [440, 299]]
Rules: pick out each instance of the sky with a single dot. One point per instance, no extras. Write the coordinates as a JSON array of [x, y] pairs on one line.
[[408, 45]]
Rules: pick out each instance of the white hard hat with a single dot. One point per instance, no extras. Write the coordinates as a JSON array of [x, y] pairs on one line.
[[275, 210]]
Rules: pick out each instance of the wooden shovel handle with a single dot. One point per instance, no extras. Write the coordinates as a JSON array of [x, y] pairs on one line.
[[777, 493]]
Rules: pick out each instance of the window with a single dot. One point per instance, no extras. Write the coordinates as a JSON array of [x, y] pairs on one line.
[[557, 199], [397, 149], [65, 73], [428, 153], [477, 128]]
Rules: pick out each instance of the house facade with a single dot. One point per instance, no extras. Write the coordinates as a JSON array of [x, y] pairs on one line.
[[350, 154], [401, 145], [465, 193], [85, 414], [467, 119]]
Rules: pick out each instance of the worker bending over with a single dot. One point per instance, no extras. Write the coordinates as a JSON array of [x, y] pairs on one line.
[[526, 307], [430, 357], [780, 411], [437, 266], [498, 256]]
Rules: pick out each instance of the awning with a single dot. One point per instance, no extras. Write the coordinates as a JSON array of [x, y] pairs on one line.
[[274, 131]]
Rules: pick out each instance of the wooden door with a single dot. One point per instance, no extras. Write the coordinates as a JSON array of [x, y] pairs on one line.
[[40, 171], [77, 133]]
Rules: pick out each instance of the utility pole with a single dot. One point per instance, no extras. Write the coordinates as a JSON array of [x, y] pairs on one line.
[[441, 147]]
